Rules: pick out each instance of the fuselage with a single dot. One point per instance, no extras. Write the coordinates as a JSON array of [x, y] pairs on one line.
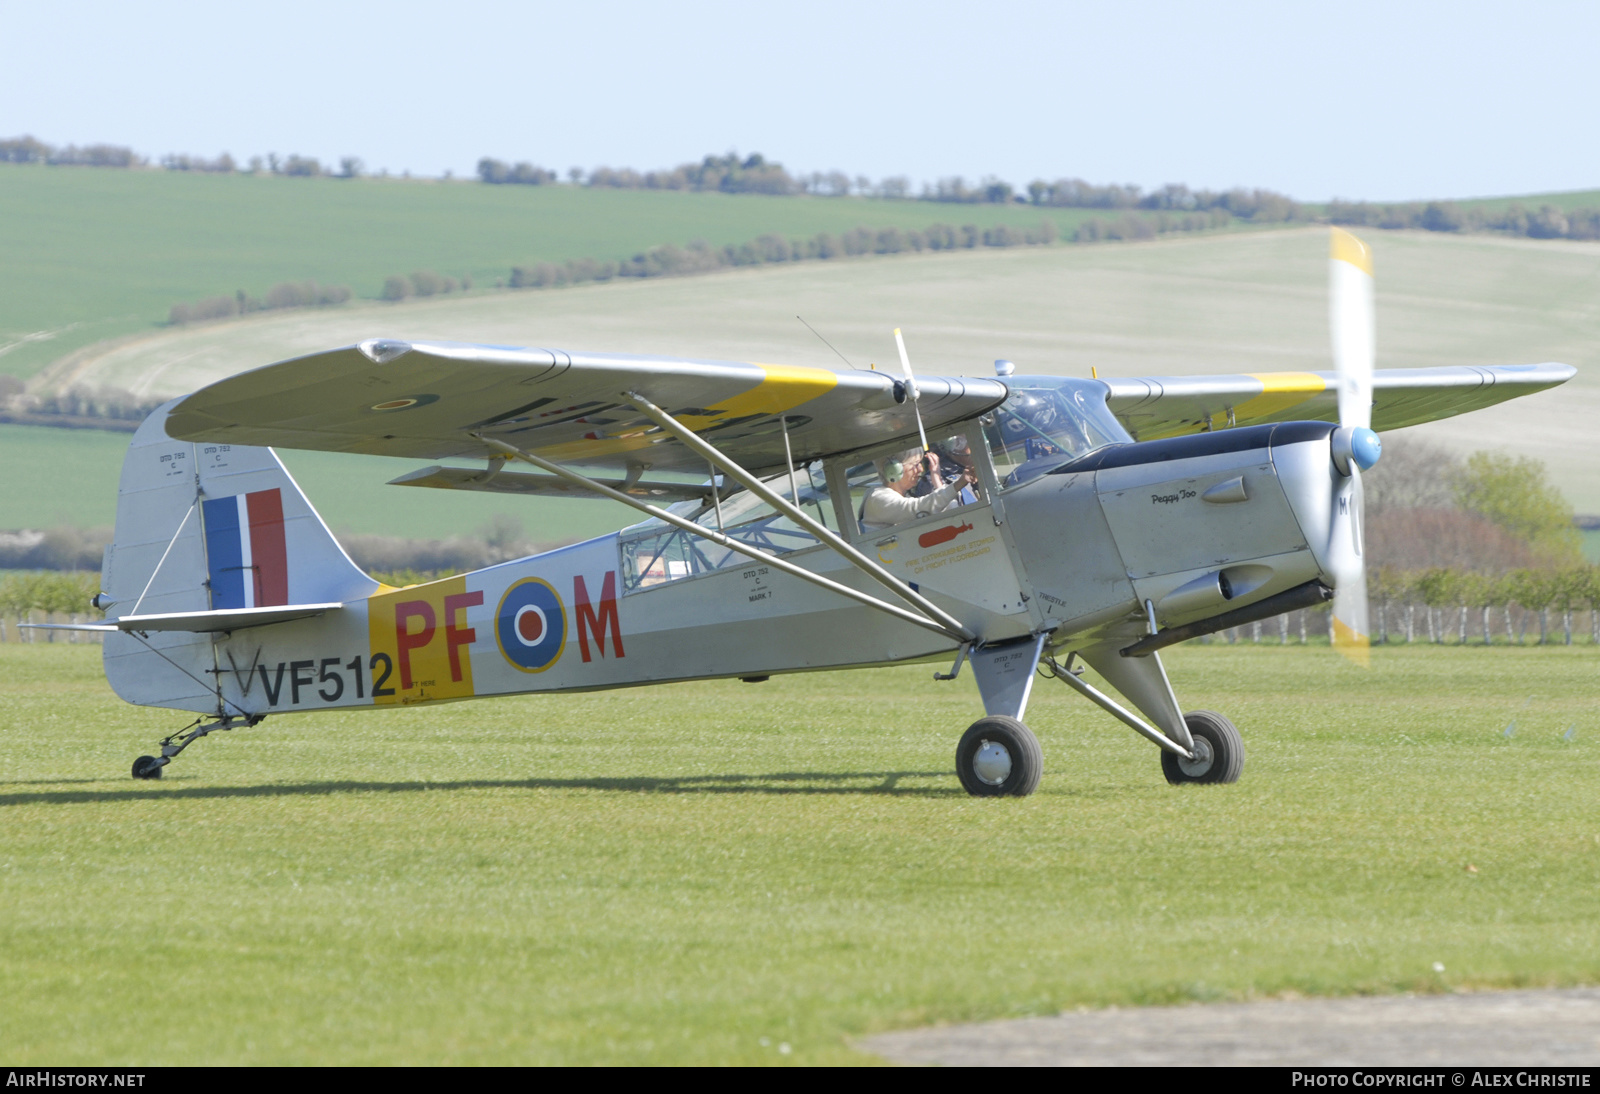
[[1189, 527]]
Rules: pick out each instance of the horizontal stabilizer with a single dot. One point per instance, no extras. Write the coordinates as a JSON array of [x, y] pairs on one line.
[[67, 626], [226, 619], [520, 482]]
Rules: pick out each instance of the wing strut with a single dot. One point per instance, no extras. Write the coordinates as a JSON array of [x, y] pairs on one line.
[[949, 623], [725, 541]]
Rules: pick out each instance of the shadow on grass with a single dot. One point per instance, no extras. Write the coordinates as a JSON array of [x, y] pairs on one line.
[[786, 782]]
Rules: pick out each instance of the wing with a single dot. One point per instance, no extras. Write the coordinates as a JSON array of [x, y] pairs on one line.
[[427, 400], [1166, 406]]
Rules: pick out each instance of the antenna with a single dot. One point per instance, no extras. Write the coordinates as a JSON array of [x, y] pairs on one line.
[[825, 342]]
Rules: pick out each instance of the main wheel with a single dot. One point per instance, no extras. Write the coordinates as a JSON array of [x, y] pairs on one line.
[[147, 767], [1219, 752], [999, 757]]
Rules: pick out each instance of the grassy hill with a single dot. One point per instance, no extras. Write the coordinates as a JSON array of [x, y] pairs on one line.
[[1245, 302], [88, 254], [100, 256]]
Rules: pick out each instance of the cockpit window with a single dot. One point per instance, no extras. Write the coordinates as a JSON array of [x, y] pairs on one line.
[[655, 552], [1047, 421]]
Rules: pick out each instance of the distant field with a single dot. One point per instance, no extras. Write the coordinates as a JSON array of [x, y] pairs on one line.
[[1577, 199], [1240, 302], [707, 873], [88, 254], [68, 476]]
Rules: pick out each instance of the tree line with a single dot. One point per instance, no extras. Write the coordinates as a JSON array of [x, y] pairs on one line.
[[701, 257], [731, 173], [78, 407], [1545, 222], [28, 149], [285, 294], [755, 174], [422, 283]]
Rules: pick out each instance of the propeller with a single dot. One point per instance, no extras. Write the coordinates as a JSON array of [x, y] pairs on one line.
[[911, 385], [1356, 447]]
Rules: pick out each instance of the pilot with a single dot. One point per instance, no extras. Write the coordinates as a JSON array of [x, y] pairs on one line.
[[893, 504], [952, 457]]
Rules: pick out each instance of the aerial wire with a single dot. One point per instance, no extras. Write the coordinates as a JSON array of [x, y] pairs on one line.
[[827, 343]]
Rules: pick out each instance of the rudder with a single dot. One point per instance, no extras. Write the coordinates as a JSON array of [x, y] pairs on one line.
[[202, 527]]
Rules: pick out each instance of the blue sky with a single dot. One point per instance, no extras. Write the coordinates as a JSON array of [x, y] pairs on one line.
[[1356, 99]]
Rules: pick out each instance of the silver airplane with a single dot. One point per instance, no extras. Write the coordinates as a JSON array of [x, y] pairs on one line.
[[796, 519]]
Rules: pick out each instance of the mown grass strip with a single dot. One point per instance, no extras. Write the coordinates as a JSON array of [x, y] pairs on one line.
[[704, 872]]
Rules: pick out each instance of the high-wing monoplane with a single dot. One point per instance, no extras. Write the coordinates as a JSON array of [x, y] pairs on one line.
[[796, 519]]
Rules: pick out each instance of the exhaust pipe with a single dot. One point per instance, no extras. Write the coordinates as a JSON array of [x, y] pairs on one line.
[[1301, 596]]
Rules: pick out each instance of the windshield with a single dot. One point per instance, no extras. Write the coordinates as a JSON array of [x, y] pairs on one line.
[[1047, 421]]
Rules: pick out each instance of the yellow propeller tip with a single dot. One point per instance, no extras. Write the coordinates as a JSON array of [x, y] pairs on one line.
[[1344, 247], [1353, 645]]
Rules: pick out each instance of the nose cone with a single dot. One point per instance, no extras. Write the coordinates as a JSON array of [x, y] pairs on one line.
[[1365, 448], [1355, 448]]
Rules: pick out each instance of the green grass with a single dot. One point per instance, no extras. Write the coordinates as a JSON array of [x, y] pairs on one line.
[[90, 254], [699, 873], [1575, 199], [348, 491]]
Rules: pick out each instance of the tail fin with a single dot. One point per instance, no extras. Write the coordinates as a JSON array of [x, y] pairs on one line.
[[202, 527]]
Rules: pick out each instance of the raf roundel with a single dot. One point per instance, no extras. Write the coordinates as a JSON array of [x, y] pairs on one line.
[[531, 625]]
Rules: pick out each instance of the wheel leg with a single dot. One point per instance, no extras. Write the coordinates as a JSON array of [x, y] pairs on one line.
[[149, 767]]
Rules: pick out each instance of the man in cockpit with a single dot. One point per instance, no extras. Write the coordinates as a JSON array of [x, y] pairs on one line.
[[892, 504]]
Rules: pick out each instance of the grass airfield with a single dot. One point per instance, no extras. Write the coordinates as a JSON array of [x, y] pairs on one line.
[[706, 873], [1232, 302]]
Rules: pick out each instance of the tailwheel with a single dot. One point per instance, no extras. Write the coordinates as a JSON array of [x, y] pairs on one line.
[[999, 757], [147, 767], [1219, 752]]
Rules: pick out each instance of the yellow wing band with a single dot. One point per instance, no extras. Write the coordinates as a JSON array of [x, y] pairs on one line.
[[1279, 392], [782, 388]]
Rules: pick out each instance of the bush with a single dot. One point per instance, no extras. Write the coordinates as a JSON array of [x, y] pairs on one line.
[[60, 548], [23, 149], [498, 173], [223, 164], [94, 155]]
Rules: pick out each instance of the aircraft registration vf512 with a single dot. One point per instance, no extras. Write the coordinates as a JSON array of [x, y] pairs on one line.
[[797, 519]]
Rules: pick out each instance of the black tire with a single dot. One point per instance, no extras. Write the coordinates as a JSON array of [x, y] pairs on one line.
[[1020, 746], [147, 767], [1212, 732]]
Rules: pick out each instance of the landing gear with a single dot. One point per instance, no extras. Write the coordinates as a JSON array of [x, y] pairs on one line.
[[1218, 752], [149, 767], [999, 757]]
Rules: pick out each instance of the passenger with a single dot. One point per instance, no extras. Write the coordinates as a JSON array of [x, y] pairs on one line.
[[892, 504]]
